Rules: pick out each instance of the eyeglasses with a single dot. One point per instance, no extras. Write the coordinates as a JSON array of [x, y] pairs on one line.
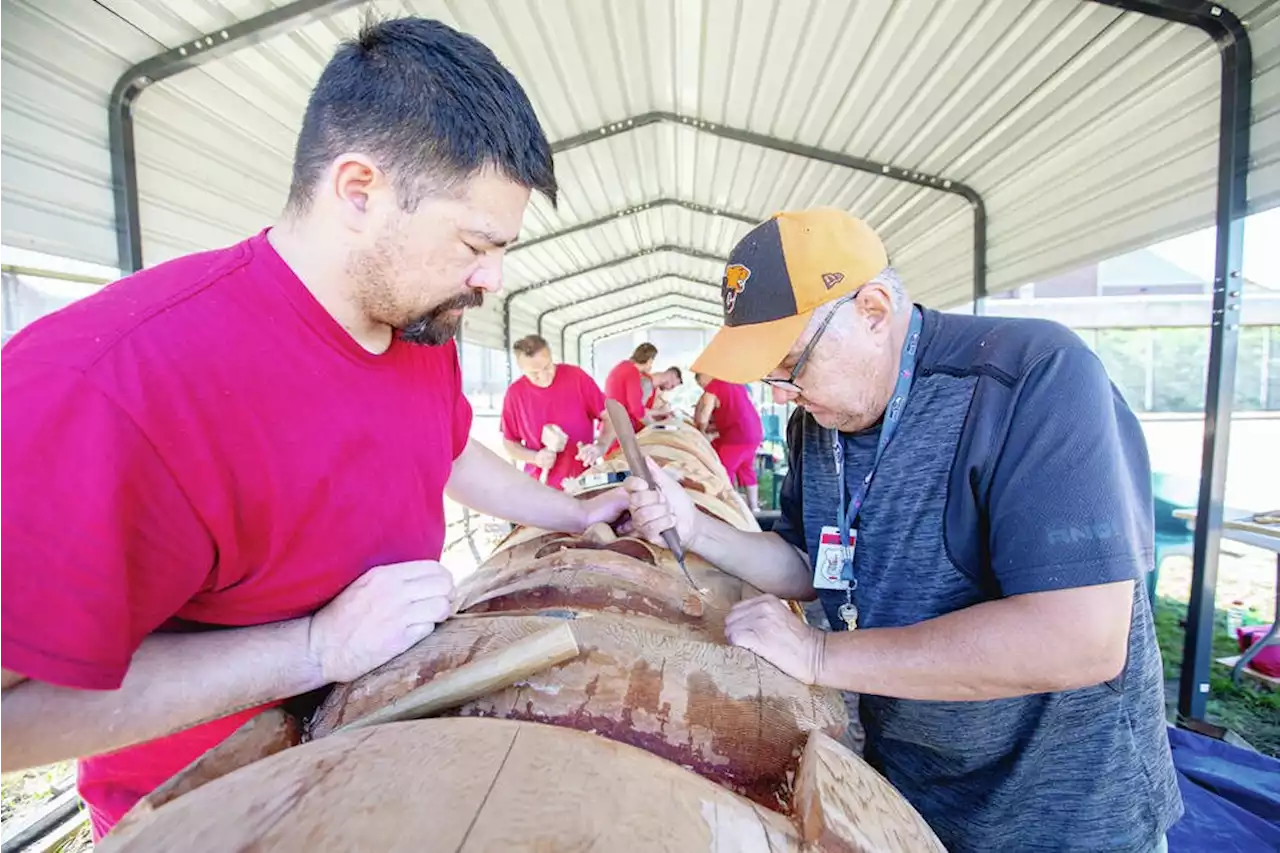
[[789, 384]]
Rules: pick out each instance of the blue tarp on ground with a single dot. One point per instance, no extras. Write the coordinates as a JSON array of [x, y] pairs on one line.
[[1232, 797]]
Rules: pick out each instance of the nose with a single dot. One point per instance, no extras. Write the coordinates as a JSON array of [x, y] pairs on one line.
[[781, 395], [487, 275]]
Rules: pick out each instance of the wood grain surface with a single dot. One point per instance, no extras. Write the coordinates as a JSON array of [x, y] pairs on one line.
[[845, 806], [461, 786]]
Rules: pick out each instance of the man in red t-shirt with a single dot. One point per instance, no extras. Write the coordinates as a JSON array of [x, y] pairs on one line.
[[627, 383], [726, 410], [224, 476], [558, 394]]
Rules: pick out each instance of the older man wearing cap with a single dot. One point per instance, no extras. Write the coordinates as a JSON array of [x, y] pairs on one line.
[[969, 498]]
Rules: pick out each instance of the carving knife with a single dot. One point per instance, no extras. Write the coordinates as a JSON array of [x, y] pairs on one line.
[[621, 421]]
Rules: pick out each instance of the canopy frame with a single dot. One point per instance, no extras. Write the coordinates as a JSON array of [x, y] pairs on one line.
[[1219, 23]]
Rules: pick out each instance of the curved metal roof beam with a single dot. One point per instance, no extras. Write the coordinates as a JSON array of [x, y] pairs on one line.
[[773, 143], [285, 18], [649, 319], [614, 262], [682, 300], [208, 47], [641, 283], [861, 164], [711, 310], [615, 215]]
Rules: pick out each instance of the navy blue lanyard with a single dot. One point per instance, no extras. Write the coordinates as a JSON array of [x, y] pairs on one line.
[[892, 417]]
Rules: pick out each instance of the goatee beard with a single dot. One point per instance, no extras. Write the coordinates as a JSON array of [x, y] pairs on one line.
[[436, 328]]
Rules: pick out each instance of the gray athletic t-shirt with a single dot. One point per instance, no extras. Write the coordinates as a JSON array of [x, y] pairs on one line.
[[1016, 468]]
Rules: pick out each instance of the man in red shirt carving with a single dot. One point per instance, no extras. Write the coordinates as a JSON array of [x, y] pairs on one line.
[[726, 409], [224, 476], [553, 394], [626, 384]]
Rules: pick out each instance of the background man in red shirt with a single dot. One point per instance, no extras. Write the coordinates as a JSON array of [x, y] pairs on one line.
[[726, 409], [224, 476], [559, 394], [627, 383], [656, 384]]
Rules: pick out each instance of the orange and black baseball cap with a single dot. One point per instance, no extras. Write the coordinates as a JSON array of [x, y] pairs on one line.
[[776, 276]]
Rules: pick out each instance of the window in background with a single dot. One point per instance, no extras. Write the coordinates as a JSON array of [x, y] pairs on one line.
[[1126, 355], [484, 376], [1271, 381], [1251, 366], [1180, 362]]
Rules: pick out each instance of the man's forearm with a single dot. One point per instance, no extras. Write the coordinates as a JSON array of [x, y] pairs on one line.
[[517, 451], [702, 412], [764, 560], [174, 681], [983, 651], [607, 433], [483, 482]]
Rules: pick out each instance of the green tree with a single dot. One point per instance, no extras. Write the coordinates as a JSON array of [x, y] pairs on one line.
[[1124, 353], [1181, 363]]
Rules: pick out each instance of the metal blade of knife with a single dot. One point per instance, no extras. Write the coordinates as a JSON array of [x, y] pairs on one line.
[[621, 420]]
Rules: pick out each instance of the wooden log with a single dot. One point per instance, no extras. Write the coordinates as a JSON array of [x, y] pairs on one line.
[[462, 684], [272, 731], [844, 806], [266, 734], [713, 707], [737, 516], [464, 785], [601, 578], [456, 643], [600, 534], [687, 438], [655, 735]]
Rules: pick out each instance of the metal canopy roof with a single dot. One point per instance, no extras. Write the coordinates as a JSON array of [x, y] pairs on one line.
[[1085, 129]]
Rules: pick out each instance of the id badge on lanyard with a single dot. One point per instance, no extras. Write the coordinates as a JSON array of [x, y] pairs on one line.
[[829, 572], [833, 569]]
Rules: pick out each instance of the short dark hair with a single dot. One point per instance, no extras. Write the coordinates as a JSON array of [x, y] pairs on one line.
[[431, 105], [530, 345], [679, 375], [643, 353]]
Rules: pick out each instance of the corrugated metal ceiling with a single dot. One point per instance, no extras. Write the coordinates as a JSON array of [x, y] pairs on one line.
[[1088, 131]]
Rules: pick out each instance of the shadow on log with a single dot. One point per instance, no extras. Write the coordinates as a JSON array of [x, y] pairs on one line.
[[651, 732]]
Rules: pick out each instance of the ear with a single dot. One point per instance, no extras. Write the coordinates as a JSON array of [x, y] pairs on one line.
[[356, 183], [875, 306]]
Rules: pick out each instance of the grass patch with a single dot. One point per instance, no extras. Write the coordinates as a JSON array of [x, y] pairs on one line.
[[27, 791], [1251, 710]]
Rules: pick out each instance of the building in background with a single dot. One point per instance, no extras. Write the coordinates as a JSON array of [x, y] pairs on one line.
[[1147, 319]]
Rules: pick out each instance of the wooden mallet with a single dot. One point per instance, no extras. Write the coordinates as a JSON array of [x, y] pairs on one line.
[[555, 439]]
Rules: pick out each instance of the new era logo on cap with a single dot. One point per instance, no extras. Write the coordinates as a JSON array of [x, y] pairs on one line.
[[831, 279]]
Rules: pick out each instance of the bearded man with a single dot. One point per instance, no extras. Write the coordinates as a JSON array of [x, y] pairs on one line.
[[226, 474]]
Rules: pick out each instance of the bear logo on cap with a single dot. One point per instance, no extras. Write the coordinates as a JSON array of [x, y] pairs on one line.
[[735, 279]]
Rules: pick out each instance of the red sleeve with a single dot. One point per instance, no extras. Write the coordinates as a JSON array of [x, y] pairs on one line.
[[461, 412], [99, 545], [592, 396], [634, 401]]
